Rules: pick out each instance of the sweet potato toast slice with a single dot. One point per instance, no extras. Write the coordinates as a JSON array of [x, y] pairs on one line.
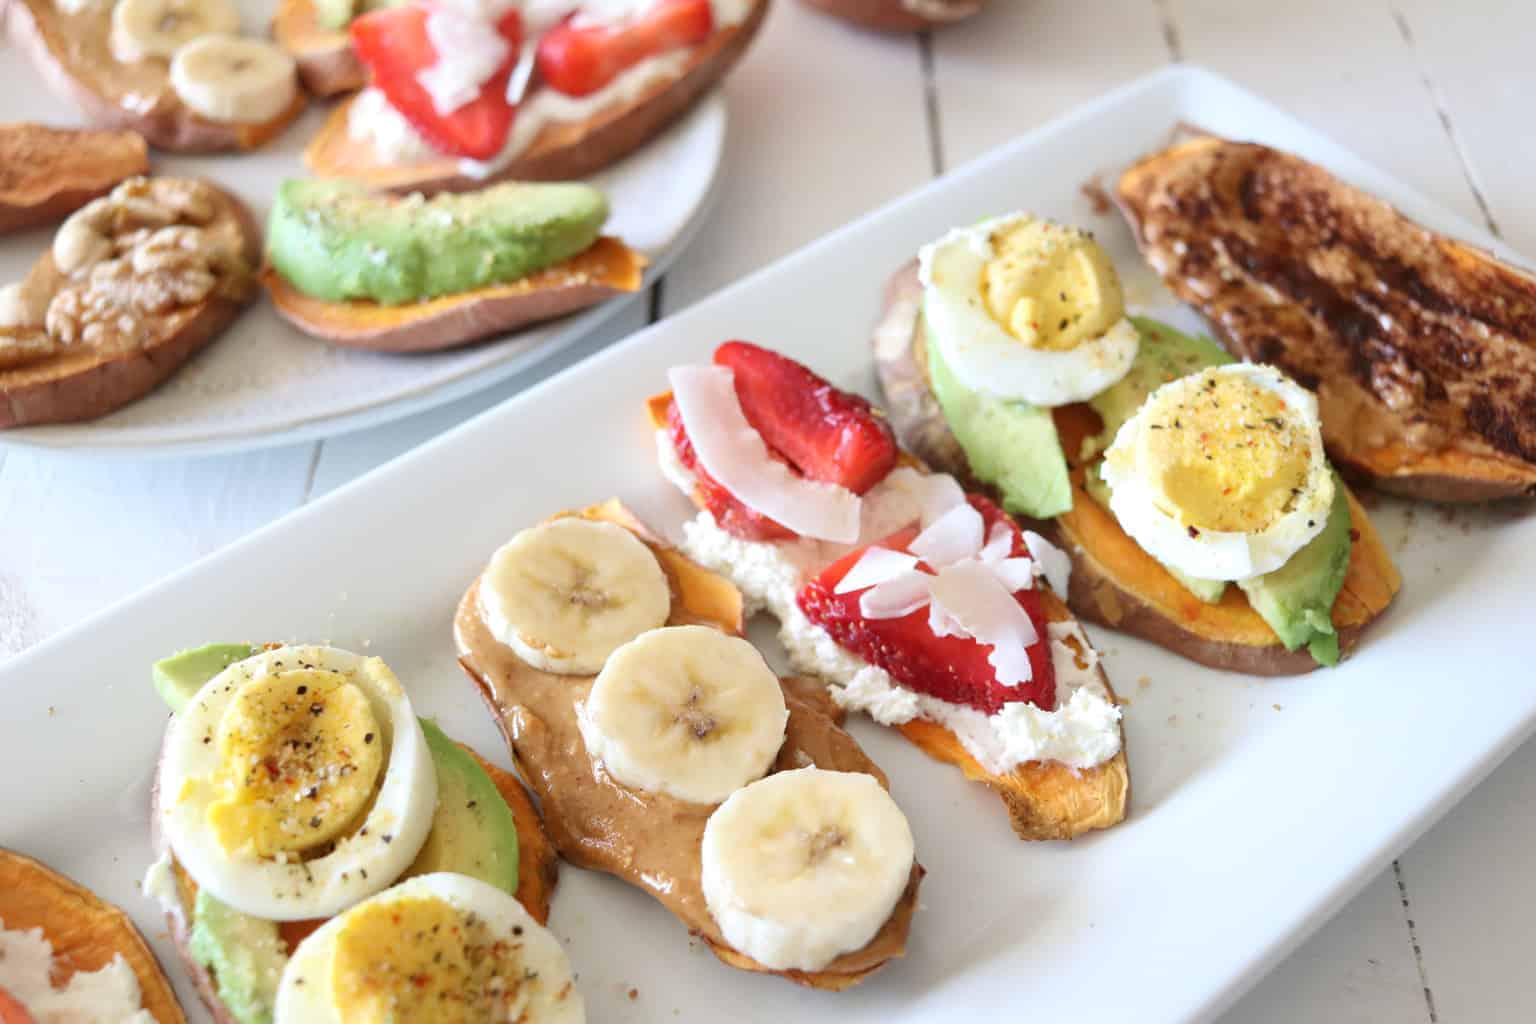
[[86, 932], [48, 173], [83, 381], [1421, 348], [1044, 800], [562, 151], [900, 15], [537, 875], [327, 65], [73, 54], [606, 269], [699, 596], [1114, 582]]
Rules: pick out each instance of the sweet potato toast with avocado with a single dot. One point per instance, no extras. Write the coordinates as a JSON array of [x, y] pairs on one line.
[[1421, 348], [86, 932], [1114, 581]]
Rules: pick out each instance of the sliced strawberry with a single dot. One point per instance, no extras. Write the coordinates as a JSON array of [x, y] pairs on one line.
[[394, 44], [951, 668], [826, 433], [729, 512], [579, 56], [11, 1010]]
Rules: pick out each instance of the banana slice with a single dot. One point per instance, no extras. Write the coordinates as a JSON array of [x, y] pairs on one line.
[[805, 865], [566, 594], [228, 78], [158, 28], [688, 711]]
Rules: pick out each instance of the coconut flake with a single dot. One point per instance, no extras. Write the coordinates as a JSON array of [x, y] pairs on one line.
[[477, 54], [876, 566], [999, 543], [1014, 573], [1053, 561], [737, 457], [896, 597], [954, 535], [938, 493], [977, 601]]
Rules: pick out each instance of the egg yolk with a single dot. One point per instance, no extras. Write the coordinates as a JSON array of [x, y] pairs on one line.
[[1223, 454], [1052, 287], [420, 959], [300, 753]]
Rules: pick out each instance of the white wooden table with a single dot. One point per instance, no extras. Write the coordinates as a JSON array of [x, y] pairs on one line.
[[828, 123]]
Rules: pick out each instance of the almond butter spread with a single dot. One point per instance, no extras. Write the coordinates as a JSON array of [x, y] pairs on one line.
[[81, 41], [1415, 344], [649, 839]]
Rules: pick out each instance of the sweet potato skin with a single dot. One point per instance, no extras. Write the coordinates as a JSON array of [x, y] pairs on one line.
[[562, 151], [607, 269], [1237, 640], [327, 65], [48, 173], [88, 384], [897, 15], [33, 29], [86, 932]]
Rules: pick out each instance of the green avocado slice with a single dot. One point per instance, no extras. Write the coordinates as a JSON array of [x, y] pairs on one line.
[[178, 678], [473, 832]]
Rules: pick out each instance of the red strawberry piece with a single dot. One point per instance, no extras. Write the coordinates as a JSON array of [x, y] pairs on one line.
[[394, 44], [729, 512], [951, 668], [826, 433], [578, 57]]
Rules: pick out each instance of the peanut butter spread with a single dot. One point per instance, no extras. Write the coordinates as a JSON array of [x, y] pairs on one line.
[[1415, 344], [81, 42], [649, 839]]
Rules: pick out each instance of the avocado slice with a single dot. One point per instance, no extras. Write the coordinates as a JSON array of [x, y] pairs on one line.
[[1011, 445], [1164, 355], [334, 14], [1297, 598], [335, 240], [473, 832], [245, 955], [179, 677]]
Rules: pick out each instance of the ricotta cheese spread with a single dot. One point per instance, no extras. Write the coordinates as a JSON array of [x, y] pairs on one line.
[[26, 966], [1082, 732]]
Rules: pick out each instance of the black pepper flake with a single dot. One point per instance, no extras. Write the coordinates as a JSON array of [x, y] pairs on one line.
[[1311, 523], [314, 822], [517, 929], [316, 708], [302, 690], [367, 737], [364, 873], [387, 838], [1194, 532], [471, 804]]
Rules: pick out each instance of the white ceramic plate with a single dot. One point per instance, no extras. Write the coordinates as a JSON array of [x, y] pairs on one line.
[[1258, 807], [266, 383]]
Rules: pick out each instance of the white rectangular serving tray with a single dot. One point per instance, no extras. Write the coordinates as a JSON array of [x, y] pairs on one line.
[[1258, 807]]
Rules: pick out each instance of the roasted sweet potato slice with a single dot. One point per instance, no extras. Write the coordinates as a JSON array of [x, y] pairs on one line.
[[73, 54], [562, 151], [327, 65], [607, 269], [900, 15], [1421, 348], [86, 932], [48, 173], [1115, 582], [699, 596]]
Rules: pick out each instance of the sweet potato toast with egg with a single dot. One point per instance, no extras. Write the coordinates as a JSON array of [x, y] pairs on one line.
[[900, 15], [537, 874], [1421, 348], [1115, 582], [562, 151], [86, 932], [1044, 800], [593, 840]]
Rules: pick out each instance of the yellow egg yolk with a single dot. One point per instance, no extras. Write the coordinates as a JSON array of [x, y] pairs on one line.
[[420, 959], [301, 753], [1223, 453], [1052, 287]]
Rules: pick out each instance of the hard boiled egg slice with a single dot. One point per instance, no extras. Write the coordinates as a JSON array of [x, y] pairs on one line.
[[1221, 474], [1028, 310], [296, 783], [439, 947]]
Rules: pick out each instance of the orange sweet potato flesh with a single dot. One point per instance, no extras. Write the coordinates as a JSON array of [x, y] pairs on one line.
[[326, 62], [48, 173], [607, 268], [86, 932]]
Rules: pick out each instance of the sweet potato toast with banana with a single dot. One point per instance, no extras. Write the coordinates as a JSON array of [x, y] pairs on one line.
[[1421, 348], [664, 751], [927, 608]]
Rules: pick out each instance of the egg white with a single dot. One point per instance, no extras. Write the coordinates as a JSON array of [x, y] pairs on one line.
[[984, 356], [361, 864], [304, 993], [1216, 554]]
